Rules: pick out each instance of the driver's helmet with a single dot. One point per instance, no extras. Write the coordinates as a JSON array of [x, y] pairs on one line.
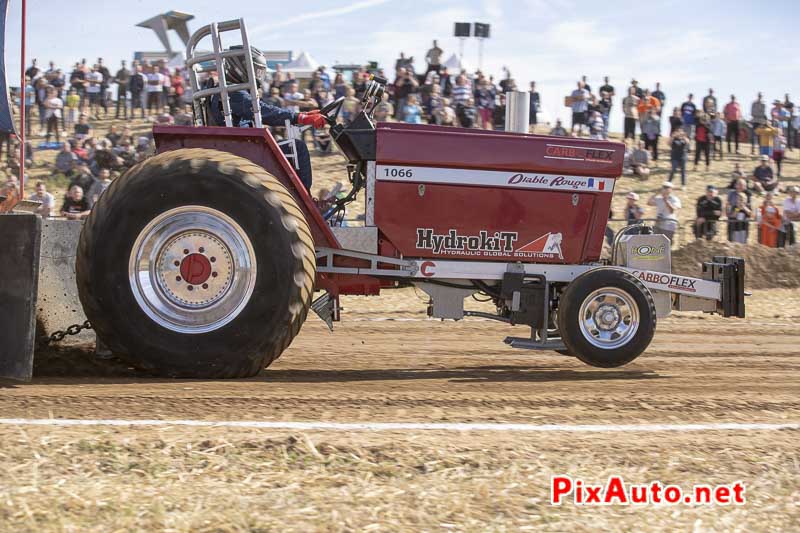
[[236, 69]]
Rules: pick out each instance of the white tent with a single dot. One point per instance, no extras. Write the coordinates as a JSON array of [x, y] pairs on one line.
[[455, 66], [302, 64]]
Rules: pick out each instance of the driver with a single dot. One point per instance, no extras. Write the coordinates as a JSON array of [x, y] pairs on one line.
[[242, 109]]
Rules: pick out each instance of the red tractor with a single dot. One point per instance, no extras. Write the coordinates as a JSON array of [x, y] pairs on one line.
[[203, 260]]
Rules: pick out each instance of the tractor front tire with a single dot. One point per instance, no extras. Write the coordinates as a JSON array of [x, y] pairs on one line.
[[607, 318], [197, 264]]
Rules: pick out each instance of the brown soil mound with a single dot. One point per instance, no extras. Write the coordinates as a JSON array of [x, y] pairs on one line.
[[766, 268]]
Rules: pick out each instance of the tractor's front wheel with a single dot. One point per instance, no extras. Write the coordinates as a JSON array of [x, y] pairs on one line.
[[607, 318], [196, 263]]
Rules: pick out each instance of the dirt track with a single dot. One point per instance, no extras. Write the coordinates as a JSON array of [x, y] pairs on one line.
[[404, 367], [397, 365]]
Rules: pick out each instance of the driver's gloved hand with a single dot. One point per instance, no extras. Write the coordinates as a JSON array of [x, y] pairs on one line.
[[316, 120]]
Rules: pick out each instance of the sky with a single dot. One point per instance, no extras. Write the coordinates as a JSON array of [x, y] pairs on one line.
[[739, 47]]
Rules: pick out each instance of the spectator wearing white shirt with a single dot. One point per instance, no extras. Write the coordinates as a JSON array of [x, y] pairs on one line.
[[155, 89], [791, 214], [580, 107], [45, 198], [293, 97], [53, 107], [94, 90], [667, 206]]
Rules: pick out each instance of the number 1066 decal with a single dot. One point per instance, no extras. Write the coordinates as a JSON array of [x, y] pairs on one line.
[[394, 172]]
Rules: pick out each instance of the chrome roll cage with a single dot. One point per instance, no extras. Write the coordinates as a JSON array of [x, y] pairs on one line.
[[215, 62]]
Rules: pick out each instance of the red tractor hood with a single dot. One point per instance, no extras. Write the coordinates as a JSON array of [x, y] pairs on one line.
[[473, 194]]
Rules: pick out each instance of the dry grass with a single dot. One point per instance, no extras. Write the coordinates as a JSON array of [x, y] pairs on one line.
[[177, 480]]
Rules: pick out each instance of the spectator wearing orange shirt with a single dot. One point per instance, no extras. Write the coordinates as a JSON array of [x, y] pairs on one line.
[[770, 222], [646, 103]]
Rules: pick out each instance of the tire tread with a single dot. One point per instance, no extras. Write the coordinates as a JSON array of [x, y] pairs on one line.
[[198, 160]]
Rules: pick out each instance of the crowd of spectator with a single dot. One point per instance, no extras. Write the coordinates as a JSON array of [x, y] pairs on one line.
[[433, 96], [770, 132], [63, 108], [152, 89], [774, 223], [712, 126]]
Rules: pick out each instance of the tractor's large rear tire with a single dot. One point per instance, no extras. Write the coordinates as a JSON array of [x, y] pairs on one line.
[[196, 263], [606, 317]]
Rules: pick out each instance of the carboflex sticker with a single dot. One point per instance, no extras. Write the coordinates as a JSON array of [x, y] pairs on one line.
[[670, 281], [578, 153]]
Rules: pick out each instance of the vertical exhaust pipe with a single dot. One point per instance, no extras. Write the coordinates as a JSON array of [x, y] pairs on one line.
[[518, 105]]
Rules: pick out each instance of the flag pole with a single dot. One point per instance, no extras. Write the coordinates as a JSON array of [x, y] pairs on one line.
[[22, 97]]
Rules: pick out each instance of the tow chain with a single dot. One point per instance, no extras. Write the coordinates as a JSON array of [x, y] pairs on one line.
[[59, 335]]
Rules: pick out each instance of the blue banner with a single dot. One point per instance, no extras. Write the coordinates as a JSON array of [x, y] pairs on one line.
[[6, 114]]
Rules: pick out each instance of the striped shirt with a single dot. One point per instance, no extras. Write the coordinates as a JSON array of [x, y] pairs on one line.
[[461, 94]]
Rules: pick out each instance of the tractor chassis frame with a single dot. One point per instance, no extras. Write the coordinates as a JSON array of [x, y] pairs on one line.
[[450, 281]]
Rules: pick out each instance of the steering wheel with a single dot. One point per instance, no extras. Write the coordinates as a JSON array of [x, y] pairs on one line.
[[332, 110]]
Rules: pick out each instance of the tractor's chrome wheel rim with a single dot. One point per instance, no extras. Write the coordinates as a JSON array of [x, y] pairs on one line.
[[192, 269], [609, 318]]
